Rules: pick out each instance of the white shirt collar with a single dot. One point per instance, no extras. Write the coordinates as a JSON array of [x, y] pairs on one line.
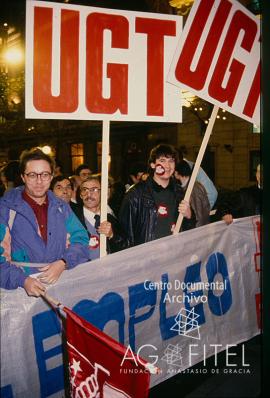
[[89, 215]]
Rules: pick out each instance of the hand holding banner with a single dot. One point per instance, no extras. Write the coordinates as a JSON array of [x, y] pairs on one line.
[[90, 63]]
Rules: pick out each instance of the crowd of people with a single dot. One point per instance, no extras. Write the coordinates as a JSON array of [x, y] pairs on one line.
[[50, 222]]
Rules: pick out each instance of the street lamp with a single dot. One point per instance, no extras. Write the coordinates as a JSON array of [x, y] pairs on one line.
[[13, 56]]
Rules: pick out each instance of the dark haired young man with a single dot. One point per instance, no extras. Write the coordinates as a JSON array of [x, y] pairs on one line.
[[150, 208], [83, 171], [37, 227], [62, 187]]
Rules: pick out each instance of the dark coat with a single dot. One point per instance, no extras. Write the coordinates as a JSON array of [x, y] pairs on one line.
[[138, 213], [117, 242], [243, 203]]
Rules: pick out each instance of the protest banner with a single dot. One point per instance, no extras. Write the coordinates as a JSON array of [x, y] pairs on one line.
[[218, 57], [158, 299], [96, 63]]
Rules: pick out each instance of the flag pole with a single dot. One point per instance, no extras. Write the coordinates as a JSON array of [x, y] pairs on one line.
[[55, 304], [197, 165], [51, 300], [104, 181]]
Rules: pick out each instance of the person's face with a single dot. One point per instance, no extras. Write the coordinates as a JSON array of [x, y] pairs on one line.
[[37, 178], [163, 167], [139, 176], [84, 174], [63, 190], [90, 194]]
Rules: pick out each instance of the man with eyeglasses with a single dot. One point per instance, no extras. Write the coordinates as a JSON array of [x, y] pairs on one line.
[[37, 227], [88, 212]]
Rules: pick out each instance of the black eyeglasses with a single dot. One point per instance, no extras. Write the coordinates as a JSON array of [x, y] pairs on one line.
[[44, 176]]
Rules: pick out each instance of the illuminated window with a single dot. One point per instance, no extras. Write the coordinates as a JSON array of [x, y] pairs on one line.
[[77, 156]]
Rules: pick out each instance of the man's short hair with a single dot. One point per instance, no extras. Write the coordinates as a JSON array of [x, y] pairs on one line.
[[93, 177], [161, 150], [80, 168], [136, 168], [183, 168], [12, 170], [34, 154], [60, 178]]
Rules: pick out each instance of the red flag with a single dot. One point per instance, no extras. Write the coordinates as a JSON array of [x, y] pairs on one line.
[[99, 366]]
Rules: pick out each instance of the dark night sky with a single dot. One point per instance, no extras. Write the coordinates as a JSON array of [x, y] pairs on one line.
[[13, 11]]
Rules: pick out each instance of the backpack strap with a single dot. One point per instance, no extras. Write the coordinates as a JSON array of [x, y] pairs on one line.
[[12, 215]]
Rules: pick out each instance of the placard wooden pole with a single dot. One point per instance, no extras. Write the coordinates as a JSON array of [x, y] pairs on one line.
[[197, 164], [104, 181]]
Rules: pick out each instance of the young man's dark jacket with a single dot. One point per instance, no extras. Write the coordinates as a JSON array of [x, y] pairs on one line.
[[138, 213]]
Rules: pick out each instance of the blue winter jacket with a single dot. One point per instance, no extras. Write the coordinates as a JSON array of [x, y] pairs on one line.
[[67, 239]]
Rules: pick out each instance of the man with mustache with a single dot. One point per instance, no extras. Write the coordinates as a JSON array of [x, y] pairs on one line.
[[88, 212]]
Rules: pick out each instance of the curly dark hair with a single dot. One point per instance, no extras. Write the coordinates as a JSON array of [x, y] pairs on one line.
[[60, 178], [162, 150], [80, 168], [34, 154], [183, 168]]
